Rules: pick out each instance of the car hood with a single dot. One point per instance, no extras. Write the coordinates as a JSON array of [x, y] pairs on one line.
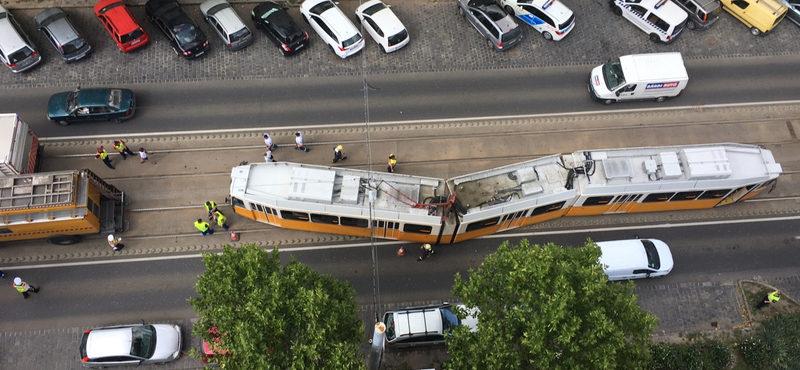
[[168, 342], [57, 105]]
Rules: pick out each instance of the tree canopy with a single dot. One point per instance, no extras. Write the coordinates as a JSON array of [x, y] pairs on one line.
[[548, 307], [270, 316]]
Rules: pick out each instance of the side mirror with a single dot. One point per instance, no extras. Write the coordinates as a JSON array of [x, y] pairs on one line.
[[618, 92]]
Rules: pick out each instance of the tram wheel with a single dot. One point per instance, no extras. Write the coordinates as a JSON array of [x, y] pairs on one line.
[[64, 239]]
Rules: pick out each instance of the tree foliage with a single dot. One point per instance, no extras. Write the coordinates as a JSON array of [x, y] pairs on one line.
[[549, 308], [274, 317]]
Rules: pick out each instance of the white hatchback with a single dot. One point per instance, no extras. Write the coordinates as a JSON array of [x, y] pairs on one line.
[[550, 17], [384, 27], [130, 345], [333, 26]]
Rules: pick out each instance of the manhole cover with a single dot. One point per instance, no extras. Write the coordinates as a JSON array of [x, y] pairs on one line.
[[515, 52], [711, 42]]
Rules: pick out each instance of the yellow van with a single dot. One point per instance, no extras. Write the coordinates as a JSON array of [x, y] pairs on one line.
[[760, 15]]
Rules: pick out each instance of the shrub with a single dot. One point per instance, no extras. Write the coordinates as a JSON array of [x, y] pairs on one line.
[[675, 357], [755, 351], [716, 355]]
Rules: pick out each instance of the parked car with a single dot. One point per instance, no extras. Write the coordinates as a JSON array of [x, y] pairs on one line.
[[16, 49], [91, 105], [635, 259], [661, 20], [492, 22], [55, 25], [121, 25], [130, 345], [384, 27], [427, 325], [332, 26], [760, 16], [793, 14], [279, 27], [550, 17], [702, 13], [224, 20], [183, 33]]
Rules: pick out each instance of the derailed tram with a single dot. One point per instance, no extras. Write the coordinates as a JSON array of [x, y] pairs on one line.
[[429, 210]]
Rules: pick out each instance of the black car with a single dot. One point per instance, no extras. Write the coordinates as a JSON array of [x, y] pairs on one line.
[[186, 37], [287, 35]]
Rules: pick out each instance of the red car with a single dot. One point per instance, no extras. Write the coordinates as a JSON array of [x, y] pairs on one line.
[[121, 24]]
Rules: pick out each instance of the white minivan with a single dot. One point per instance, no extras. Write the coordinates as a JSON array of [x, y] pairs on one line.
[[635, 259], [661, 19], [656, 76]]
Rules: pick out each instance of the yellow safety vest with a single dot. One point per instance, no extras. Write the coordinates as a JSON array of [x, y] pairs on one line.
[[22, 288], [103, 154], [773, 297], [202, 226], [392, 162], [121, 146], [221, 218], [210, 205]]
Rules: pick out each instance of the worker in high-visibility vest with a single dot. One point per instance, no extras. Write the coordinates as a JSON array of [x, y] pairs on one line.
[[120, 146], [221, 220], [24, 287], [392, 162], [773, 297], [204, 227], [102, 154], [114, 242], [211, 207]]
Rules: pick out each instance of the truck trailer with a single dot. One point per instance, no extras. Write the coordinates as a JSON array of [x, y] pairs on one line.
[[19, 146]]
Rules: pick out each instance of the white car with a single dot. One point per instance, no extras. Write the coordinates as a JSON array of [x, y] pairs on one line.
[[384, 27], [635, 259], [130, 345], [333, 26], [550, 17]]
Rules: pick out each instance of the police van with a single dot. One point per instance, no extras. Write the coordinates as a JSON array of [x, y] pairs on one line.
[[661, 19], [656, 76]]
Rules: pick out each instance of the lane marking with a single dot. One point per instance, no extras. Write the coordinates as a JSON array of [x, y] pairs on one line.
[[397, 242]]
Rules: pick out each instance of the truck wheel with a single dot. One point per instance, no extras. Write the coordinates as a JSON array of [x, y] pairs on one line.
[[661, 99], [62, 122], [609, 101], [616, 10], [755, 31], [64, 239], [654, 37], [690, 25]]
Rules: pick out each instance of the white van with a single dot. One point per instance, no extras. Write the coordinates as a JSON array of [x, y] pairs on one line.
[[635, 259], [655, 76], [660, 19]]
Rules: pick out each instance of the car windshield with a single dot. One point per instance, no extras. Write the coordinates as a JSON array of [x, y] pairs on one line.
[[374, 9], [115, 98], [216, 8], [398, 37], [72, 46], [494, 12], [390, 329], [612, 71], [143, 343], [185, 33], [351, 41], [131, 36], [47, 21], [72, 102], [20, 55], [240, 34], [449, 319], [321, 7], [653, 260]]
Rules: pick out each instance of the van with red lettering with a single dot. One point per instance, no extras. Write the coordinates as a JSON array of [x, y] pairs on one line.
[[656, 76]]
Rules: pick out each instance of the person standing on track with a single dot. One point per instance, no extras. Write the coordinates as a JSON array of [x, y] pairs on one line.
[[143, 156], [338, 154], [120, 146], [298, 142], [268, 142], [392, 162], [102, 154]]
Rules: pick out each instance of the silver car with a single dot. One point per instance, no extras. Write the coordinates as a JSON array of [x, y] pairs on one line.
[[492, 22], [55, 25], [224, 20], [426, 325], [16, 50], [130, 345]]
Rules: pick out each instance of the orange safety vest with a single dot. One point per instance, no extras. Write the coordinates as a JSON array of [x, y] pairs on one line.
[[103, 154], [22, 288], [121, 146]]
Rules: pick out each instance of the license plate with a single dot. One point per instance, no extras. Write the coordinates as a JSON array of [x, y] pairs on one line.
[[135, 42]]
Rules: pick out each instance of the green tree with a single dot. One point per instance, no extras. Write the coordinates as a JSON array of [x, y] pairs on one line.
[[274, 317], [549, 308]]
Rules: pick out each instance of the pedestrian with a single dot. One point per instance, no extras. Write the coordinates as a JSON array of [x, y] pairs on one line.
[[24, 287], [204, 227], [427, 250], [211, 207], [338, 154], [120, 146], [220, 219], [143, 156], [298, 142], [770, 298], [268, 156], [392, 162], [102, 154], [114, 242], [268, 142], [2, 274]]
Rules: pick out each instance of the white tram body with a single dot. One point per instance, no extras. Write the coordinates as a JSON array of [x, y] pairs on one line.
[[422, 209]]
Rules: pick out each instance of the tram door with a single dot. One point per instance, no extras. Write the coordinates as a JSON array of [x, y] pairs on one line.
[[385, 229], [622, 203]]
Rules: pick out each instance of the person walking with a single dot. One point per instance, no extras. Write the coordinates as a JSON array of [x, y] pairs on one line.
[[102, 154], [24, 287], [221, 220], [143, 156], [427, 250], [770, 298], [392, 162], [268, 156], [204, 227], [268, 142], [211, 207], [114, 242], [120, 146], [338, 154], [2, 274], [298, 142]]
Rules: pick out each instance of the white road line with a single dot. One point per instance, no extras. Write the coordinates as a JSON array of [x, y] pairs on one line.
[[387, 243]]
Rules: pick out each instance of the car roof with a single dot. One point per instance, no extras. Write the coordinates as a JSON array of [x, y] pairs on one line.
[[93, 97], [119, 15], [335, 18], [418, 321], [388, 21], [109, 342], [60, 28], [554, 8], [10, 40], [227, 16]]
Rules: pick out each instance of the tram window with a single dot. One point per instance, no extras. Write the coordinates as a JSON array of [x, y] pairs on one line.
[[260, 208], [379, 224], [686, 195], [325, 219], [477, 225], [270, 211], [657, 197], [236, 202], [519, 214], [714, 194], [505, 218], [548, 208], [357, 222], [598, 201], [290, 215], [417, 229], [751, 187], [4, 230]]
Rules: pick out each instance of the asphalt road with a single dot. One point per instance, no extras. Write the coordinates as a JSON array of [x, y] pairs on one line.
[[157, 289], [397, 97]]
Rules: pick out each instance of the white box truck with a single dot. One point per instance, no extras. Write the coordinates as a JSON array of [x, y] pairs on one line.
[[19, 146], [655, 76]]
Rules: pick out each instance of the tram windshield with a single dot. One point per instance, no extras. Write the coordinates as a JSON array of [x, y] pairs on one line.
[[612, 71]]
